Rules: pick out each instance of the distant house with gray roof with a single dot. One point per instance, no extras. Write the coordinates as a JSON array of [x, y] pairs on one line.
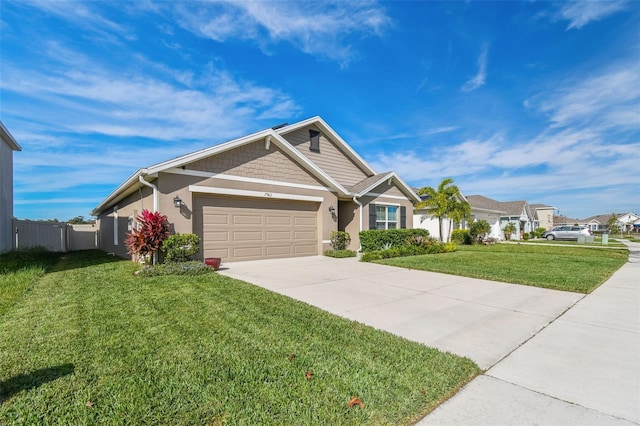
[[516, 212]]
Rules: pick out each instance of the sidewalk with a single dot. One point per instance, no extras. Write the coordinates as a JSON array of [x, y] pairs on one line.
[[583, 368]]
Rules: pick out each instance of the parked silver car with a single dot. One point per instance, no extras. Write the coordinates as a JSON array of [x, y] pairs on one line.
[[566, 233]]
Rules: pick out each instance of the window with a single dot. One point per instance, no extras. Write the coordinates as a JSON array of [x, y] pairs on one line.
[[115, 226], [386, 217], [314, 136]]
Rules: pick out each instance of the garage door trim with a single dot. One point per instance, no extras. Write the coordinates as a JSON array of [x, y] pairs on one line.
[[254, 194]]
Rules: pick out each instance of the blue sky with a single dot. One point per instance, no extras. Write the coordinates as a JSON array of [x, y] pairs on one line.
[[513, 100]]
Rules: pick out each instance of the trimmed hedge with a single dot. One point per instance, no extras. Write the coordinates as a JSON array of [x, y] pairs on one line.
[[379, 239], [338, 254], [193, 267], [435, 248]]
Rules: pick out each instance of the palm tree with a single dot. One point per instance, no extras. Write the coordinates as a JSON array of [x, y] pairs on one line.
[[446, 202]]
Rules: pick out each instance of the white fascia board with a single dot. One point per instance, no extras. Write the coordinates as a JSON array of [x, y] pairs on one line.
[[253, 194], [331, 133], [109, 200], [274, 137], [203, 153], [479, 209], [398, 181], [223, 176], [8, 138], [308, 164]]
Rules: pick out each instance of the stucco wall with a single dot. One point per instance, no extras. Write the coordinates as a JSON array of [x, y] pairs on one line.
[[127, 208]]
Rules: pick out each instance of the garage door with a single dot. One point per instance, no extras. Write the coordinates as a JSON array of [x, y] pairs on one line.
[[240, 228]]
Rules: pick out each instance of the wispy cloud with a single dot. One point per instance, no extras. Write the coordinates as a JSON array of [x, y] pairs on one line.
[[580, 13], [479, 79], [216, 106], [605, 100], [579, 150], [316, 28]]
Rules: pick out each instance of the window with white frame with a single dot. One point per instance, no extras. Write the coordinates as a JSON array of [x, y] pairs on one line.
[[386, 217]]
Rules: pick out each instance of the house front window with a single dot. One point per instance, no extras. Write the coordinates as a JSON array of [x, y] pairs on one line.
[[386, 217]]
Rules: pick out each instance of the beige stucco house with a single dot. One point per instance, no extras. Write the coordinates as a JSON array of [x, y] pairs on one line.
[[7, 145], [542, 216], [276, 193]]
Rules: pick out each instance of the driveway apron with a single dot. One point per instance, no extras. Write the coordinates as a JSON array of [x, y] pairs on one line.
[[482, 320], [550, 357]]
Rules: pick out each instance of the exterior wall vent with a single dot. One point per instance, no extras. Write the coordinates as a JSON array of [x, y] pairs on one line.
[[314, 136]]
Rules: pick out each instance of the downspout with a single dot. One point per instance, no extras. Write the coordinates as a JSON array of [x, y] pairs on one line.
[[155, 207], [355, 200], [155, 192]]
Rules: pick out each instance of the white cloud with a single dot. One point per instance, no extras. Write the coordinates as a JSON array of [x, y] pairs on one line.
[[479, 79], [84, 95], [580, 13], [317, 28], [608, 99]]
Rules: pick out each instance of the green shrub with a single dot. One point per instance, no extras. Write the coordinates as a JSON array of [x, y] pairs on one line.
[[478, 230], [409, 250], [450, 248], [538, 232], [525, 236], [181, 247], [340, 253], [175, 268], [508, 230], [461, 236], [340, 240], [378, 239]]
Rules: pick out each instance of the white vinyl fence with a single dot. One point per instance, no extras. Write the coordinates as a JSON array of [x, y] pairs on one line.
[[54, 236]]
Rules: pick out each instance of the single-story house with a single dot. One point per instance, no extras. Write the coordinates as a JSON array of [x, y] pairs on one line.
[[626, 222], [516, 212], [542, 216], [564, 221], [276, 193], [422, 219], [8, 144]]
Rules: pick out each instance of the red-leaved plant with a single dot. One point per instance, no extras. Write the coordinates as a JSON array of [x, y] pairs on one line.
[[151, 232]]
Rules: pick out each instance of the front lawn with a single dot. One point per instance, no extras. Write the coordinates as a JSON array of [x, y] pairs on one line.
[[597, 242], [577, 269], [91, 343]]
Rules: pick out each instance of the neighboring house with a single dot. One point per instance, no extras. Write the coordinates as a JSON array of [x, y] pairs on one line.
[[276, 193], [422, 219], [563, 221], [542, 216], [595, 223], [626, 222], [516, 212], [7, 146]]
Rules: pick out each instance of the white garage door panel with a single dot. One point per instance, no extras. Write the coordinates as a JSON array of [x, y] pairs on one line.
[[236, 228]]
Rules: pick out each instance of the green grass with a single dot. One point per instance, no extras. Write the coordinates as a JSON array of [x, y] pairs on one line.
[[202, 350], [19, 271], [577, 269], [597, 242]]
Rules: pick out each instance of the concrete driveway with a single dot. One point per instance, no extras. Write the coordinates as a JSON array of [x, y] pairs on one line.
[[550, 357], [482, 320]]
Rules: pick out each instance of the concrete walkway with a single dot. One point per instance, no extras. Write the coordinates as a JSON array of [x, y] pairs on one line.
[[551, 357], [583, 369]]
